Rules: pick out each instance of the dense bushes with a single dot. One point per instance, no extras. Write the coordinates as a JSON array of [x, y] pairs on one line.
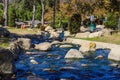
[[65, 25], [2, 20], [112, 21], [11, 16], [74, 23]]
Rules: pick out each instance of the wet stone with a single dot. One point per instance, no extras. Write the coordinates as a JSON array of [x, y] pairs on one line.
[[49, 70], [34, 78]]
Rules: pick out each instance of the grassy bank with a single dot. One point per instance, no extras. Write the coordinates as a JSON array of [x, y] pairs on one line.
[[115, 39], [4, 42], [23, 31]]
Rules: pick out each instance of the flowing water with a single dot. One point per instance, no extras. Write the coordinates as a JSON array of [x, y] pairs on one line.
[[52, 65]]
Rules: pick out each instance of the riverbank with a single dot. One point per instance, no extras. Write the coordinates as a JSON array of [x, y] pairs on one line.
[[113, 39], [115, 49]]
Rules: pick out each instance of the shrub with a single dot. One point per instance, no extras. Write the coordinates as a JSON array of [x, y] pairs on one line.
[[11, 16], [65, 25], [112, 21], [86, 22], [2, 21], [74, 23]]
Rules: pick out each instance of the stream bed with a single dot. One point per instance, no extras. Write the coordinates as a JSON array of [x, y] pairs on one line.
[[52, 65]]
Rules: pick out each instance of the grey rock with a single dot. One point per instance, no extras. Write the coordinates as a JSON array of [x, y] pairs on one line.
[[82, 35], [115, 53], [43, 46], [7, 57], [96, 34], [73, 53], [34, 78], [26, 43]]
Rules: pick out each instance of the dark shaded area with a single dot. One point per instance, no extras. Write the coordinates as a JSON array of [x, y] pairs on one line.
[[4, 32]]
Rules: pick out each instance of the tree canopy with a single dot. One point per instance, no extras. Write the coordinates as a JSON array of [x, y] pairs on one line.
[[61, 11]]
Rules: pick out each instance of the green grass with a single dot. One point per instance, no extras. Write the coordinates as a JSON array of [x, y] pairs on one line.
[[115, 39], [4, 42], [23, 31]]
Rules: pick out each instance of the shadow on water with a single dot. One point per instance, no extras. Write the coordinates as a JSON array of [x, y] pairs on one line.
[[52, 65]]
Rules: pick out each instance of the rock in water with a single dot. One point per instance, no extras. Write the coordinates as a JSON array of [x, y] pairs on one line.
[[26, 43], [34, 78], [7, 57], [73, 53], [114, 53], [33, 61], [43, 46], [6, 62], [88, 46]]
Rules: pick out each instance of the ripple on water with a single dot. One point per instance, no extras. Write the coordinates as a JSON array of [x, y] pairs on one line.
[[53, 66]]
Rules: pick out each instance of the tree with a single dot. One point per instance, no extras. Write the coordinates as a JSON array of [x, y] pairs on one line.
[[24, 9], [33, 16], [54, 13], [1, 10], [74, 24], [11, 16], [6, 12], [42, 19]]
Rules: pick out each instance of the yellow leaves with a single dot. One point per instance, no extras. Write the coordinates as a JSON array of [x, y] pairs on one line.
[[106, 3]]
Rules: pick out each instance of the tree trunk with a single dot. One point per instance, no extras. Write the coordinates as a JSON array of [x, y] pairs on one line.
[[42, 19], [33, 17], [54, 13], [6, 12]]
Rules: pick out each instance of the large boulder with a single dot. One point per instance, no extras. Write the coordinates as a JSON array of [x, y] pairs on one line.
[[84, 47], [26, 43], [7, 57], [87, 46], [83, 29], [34, 78], [6, 62], [54, 35], [55, 42], [66, 33], [43, 46], [49, 29], [82, 35], [73, 53], [16, 48], [115, 53], [107, 32], [100, 27], [4, 32], [96, 34]]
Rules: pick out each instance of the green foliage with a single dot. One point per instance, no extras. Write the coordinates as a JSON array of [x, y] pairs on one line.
[[11, 16], [4, 42], [112, 21], [74, 23], [25, 10], [38, 11], [1, 10], [1, 14], [65, 25]]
